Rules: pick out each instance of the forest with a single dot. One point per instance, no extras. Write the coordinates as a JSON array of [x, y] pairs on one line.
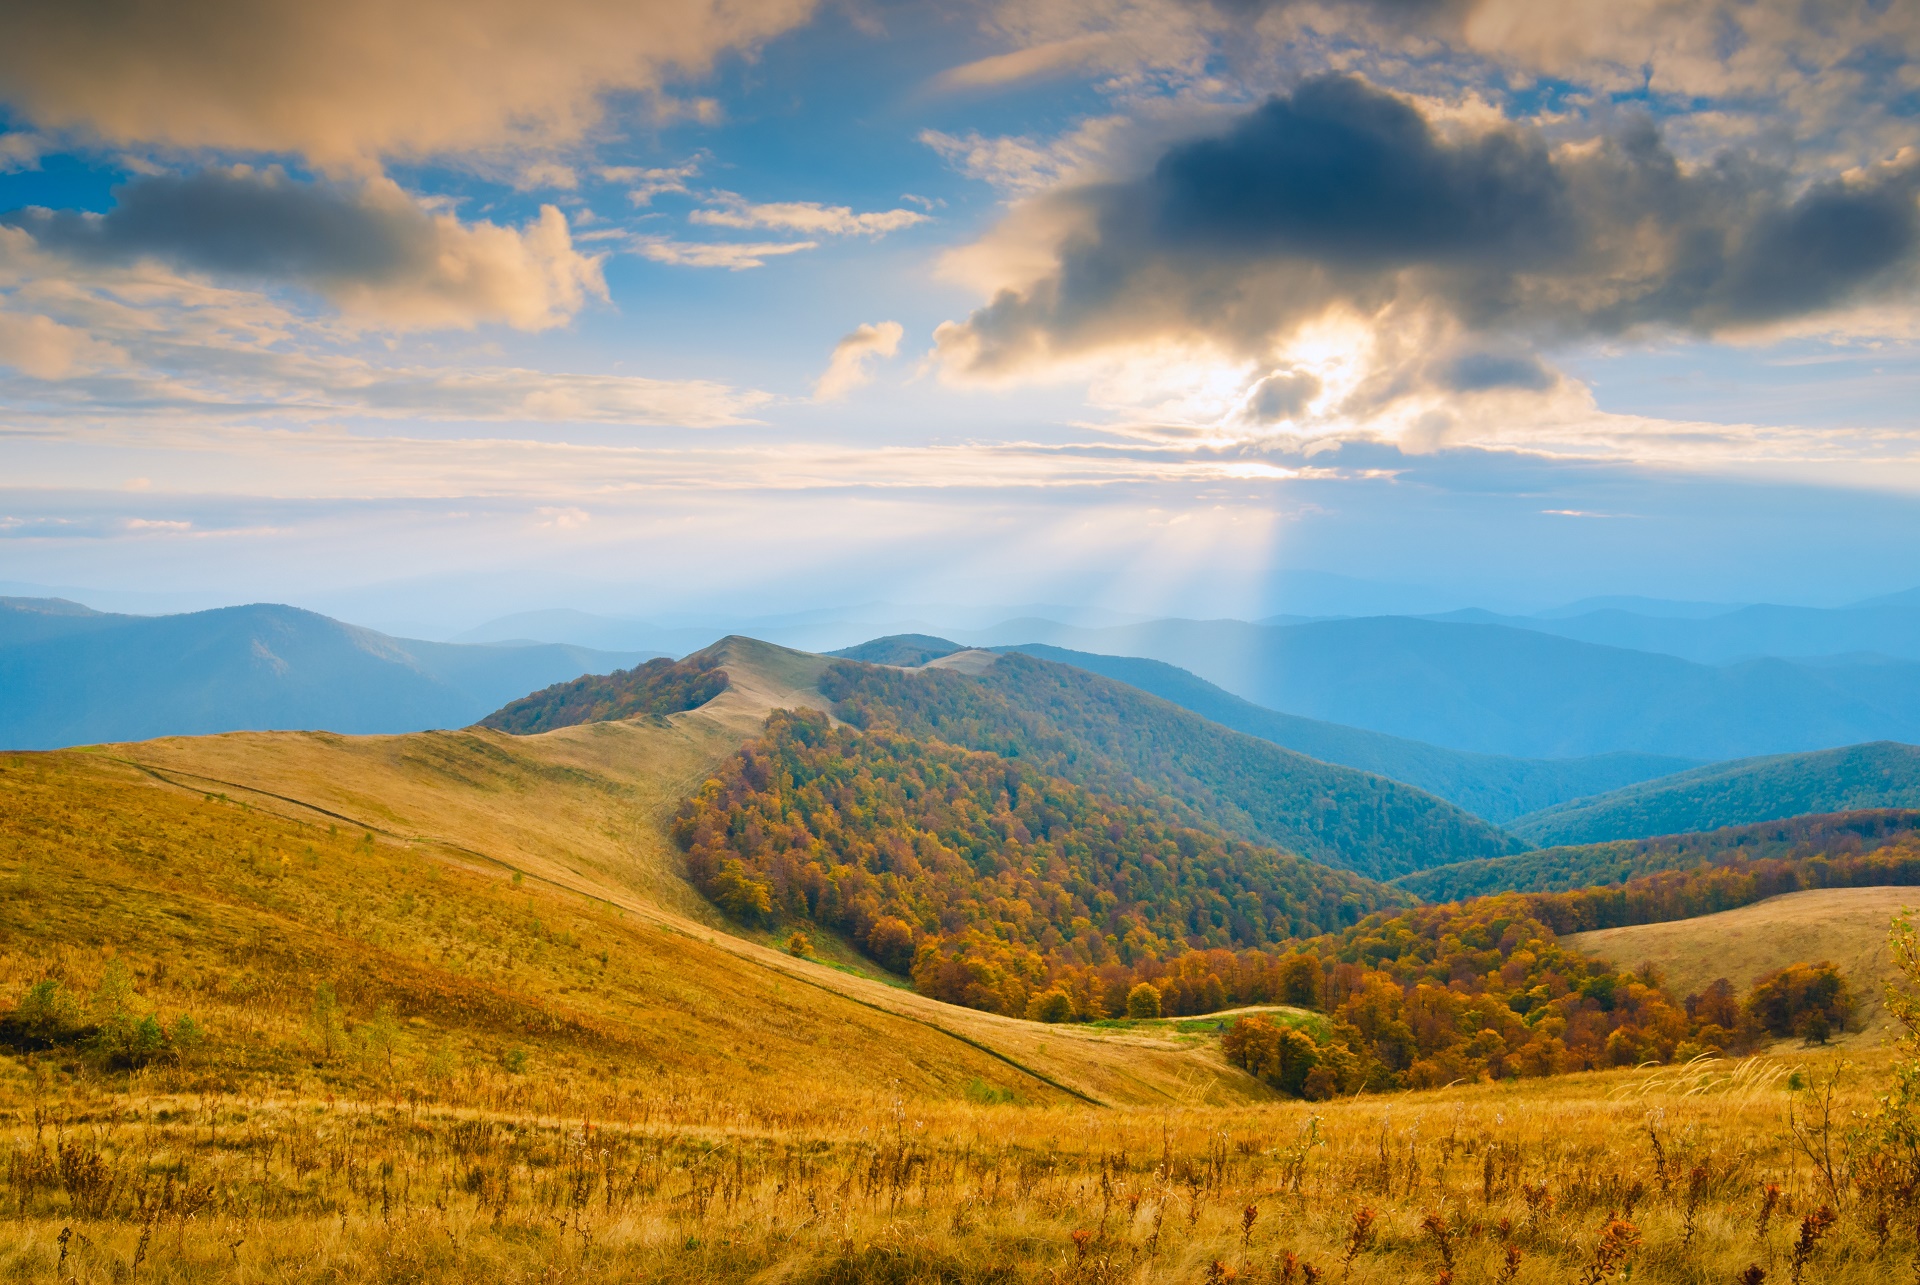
[[659, 686]]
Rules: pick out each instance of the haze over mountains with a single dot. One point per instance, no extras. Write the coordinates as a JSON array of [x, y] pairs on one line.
[[71, 676]]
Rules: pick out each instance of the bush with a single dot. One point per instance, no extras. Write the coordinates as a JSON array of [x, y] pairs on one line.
[[45, 1016], [799, 945], [1143, 1001], [738, 894], [1809, 1000], [1050, 1006]]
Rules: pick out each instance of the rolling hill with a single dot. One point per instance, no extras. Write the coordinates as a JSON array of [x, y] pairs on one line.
[[70, 676], [1563, 869], [1495, 787], [1883, 774], [1493, 689], [582, 813], [1112, 737], [1843, 926]]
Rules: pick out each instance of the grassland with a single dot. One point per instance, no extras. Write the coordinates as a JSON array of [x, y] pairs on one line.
[[461, 1019], [1846, 926]]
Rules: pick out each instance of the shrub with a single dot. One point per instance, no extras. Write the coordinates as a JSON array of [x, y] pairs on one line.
[[1143, 1001], [1050, 1006], [799, 945]]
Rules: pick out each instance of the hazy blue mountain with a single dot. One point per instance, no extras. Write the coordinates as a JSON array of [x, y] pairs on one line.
[[1494, 689], [1879, 775], [899, 649], [1887, 626], [73, 676], [1494, 787]]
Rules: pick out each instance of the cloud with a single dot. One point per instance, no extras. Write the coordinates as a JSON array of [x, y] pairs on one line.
[[853, 357], [646, 182], [44, 349], [368, 248], [1343, 200], [350, 81], [735, 256], [805, 217]]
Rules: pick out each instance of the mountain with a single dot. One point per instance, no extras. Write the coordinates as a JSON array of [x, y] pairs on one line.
[[1112, 737], [1563, 869], [1495, 787], [1883, 774], [899, 649], [1495, 689], [70, 675], [1887, 626]]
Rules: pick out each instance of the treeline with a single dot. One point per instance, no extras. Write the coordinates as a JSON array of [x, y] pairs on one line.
[[1118, 740], [1834, 834], [1686, 894], [990, 881], [659, 686]]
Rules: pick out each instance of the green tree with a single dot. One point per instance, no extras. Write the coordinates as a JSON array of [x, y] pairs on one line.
[[1143, 1001], [324, 1020]]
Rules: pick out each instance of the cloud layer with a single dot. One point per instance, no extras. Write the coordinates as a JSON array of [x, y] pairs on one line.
[[368, 248], [1341, 199], [351, 81]]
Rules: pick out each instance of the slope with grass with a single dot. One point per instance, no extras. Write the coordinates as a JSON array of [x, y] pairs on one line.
[[1114, 738], [1884, 774], [71, 676], [1495, 787], [1844, 926], [659, 687], [1562, 869], [586, 810]]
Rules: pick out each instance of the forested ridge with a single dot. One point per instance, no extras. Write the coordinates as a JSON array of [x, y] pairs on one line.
[[1115, 739], [659, 686], [1564, 869], [986, 877]]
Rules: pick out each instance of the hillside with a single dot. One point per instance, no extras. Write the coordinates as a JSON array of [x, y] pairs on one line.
[[1493, 689], [1845, 926], [899, 649], [72, 676], [1880, 775], [659, 687], [1565, 868], [1494, 787], [1114, 738], [988, 879], [586, 810]]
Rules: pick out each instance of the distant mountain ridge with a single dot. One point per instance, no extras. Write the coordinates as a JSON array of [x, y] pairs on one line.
[[1883, 774], [1495, 689], [1495, 787], [73, 676]]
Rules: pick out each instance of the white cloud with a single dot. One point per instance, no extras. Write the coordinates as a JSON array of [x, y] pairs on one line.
[[716, 254], [45, 349], [807, 218], [853, 358], [644, 183]]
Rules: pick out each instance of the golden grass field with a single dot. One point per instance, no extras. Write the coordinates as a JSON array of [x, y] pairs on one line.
[[549, 1062], [1847, 926]]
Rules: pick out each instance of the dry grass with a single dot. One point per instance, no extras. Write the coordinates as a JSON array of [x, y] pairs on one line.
[[1847, 926]]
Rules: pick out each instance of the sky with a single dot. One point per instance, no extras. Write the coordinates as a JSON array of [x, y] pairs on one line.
[[426, 314]]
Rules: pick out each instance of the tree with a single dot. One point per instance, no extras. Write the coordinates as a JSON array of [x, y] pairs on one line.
[[1050, 1006], [323, 1019], [890, 942], [799, 945], [738, 894], [1143, 1001]]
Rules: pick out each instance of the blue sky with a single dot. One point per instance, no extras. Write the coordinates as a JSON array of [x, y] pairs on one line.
[[1131, 304]]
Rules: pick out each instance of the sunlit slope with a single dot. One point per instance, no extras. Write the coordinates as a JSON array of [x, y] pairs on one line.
[[1845, 926], [584, 809]]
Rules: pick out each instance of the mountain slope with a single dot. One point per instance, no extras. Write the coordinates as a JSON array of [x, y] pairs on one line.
[[1495, 787], [1563, 869], [1882, 774], [72, 676], [1114, 738], [1497, 690]]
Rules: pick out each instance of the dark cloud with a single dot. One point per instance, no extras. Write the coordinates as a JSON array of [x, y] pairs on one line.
[[368, 247], [240, 222], [1481, 372], [1341, 195], [1282, 395]]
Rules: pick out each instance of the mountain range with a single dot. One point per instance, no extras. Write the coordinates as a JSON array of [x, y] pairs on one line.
[[71, 676]]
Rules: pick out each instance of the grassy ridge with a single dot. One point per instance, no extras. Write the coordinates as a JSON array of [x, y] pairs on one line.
[[659, 686], [446, 972], [1882, 774], [1588, 865], [1111, 737]]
